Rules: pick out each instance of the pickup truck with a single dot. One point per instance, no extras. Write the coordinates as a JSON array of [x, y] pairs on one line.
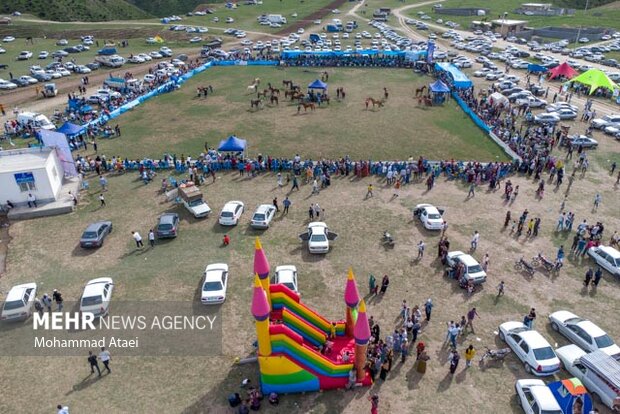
[[193, 202]]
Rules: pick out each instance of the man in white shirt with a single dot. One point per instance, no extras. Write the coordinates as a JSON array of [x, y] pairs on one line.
[[474, 240], [62, 410], [104, 356], [32, 201], [138, 239]]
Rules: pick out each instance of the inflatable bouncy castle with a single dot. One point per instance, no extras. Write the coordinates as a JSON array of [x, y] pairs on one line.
[[298, 349]]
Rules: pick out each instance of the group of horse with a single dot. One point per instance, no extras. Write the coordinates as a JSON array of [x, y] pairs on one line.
[[291, 90], [422, 98]]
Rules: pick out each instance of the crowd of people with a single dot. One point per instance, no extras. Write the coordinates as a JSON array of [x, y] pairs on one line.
[[372, 61]]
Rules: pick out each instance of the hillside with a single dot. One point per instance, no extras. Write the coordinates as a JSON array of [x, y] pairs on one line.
[[76, 10], [161, 8]]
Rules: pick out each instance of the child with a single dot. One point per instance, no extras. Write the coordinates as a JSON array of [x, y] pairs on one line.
[[226, 240]]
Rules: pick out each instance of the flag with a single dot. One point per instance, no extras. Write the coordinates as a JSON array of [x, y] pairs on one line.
[[159, 39], [430, 49]]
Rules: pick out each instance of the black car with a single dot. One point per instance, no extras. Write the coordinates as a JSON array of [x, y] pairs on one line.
[[72, 49], [168, 225], [4, 66], [95, 233]]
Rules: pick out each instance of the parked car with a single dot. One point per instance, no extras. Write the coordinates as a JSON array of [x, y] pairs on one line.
[[472, 269], [43, 54], [318, 237], [231, 212], [62, 42], [548, 118], [19, 301], [607, 257], [565, 113], [532, 102], [287, 275], [598, 372], [95, 234], [8, 39], [215, 284], [607, 120], [531, 348], [96, 297], [430, 216], [6, 85], [25, 55], [554, 107], [584, 141], [29, 79], [262, 216], [583, 333], [536, 398], [167, 226]]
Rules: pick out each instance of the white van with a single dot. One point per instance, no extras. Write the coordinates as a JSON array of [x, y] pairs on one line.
[[35, 119], [599, 372]]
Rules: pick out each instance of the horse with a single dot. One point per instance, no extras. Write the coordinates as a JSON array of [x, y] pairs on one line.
[[385, 93], [375, 102], [273, 99], [263, 93], [256, 81], [287, 83], [275, 91], [306, 105], [255, 103], [253, 88], [289, 93], [420, 91], [325, 98]]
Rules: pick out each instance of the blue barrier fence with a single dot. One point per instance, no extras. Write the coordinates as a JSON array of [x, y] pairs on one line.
[[474, 117]]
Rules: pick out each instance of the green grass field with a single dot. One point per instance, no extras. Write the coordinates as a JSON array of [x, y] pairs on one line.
[[180, 122], [604, 16]]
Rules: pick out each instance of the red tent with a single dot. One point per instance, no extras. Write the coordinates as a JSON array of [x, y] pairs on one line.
[[563, 70]]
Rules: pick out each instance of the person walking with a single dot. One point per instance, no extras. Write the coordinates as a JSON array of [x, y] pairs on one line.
[[374, 404], [372, 284], [62, 409], [286, 203], [421, 247], [315, 187], [32, 201], [474, 240], [105, 357], [588, 278], [311, 212], [453, 333], [500, 289], [280, 182], [369, 191], [151, 238], [470, 352], [295, 184], [472, 190], [275, 204], [428, 309], [38, 307], [485, 262], [454, 360], [385, 282], [597, 201], [597, 276], [92, 361], [471, 315], [47, 302], [57, 296], [138, 239], [102, 200]]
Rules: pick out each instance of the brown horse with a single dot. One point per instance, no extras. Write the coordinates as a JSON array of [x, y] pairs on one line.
[[325, 98], [420, 91], [256, 103], [287, 83], [306, 105], [263, 93], [275, 91], [273, 99], [375, 102]]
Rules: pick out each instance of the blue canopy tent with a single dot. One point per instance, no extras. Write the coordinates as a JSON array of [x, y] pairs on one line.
[[458, 78], [536, 68], [439, 91], [70, 129], [318, 84], [233, 144]]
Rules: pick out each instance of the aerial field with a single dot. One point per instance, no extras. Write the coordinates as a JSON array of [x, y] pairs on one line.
[[180, 122]]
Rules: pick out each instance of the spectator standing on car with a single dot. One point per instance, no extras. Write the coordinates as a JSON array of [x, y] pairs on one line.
[[152, 238], [92, 361], [138, 239], [105, 357]]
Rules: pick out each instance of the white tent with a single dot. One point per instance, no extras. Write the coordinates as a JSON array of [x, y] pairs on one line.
[[497, 98]]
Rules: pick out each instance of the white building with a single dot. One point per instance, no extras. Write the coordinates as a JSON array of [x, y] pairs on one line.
[[30, 170]]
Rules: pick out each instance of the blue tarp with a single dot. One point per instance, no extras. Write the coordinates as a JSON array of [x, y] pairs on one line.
[[471, 113], [291, 54], [233, 143], [536, 68], [459, 78], [70, 129], [317, 84], [439, 87]]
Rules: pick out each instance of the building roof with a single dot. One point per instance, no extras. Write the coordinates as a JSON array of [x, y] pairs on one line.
[[508, 22], [24, 159], [536, 5]]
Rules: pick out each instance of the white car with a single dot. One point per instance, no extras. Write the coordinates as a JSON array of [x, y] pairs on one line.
[[18, 302], [148, 78], [230, 20], [151, 40], [230, 214], [195, 39], [135, 59], [155, 55], [472, 271], [146, 57], [531, 348], [62, 42], [6, 85], [607, 120], [583, 333], [482, 72], [287, 276], [82, 69], [318, 237], [64, 72], [262, 216], [536, 398], [8, 39], [246, 42], [43, 54], [429, 215], [548, 118], [29, 79], [532, 102], [24, 55], [554, 107], [565, 113], [607, 257], [165, 51], [2, 50], [215, 284], [96, 296]]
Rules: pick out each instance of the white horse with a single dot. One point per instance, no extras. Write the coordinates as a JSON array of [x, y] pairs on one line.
[[253, 88]]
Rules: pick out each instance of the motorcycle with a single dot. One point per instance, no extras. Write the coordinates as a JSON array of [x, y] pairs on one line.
[[522, 264], [542, 260], [495, 354]]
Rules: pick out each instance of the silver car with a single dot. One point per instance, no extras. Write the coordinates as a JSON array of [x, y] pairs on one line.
[[95, 233]]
